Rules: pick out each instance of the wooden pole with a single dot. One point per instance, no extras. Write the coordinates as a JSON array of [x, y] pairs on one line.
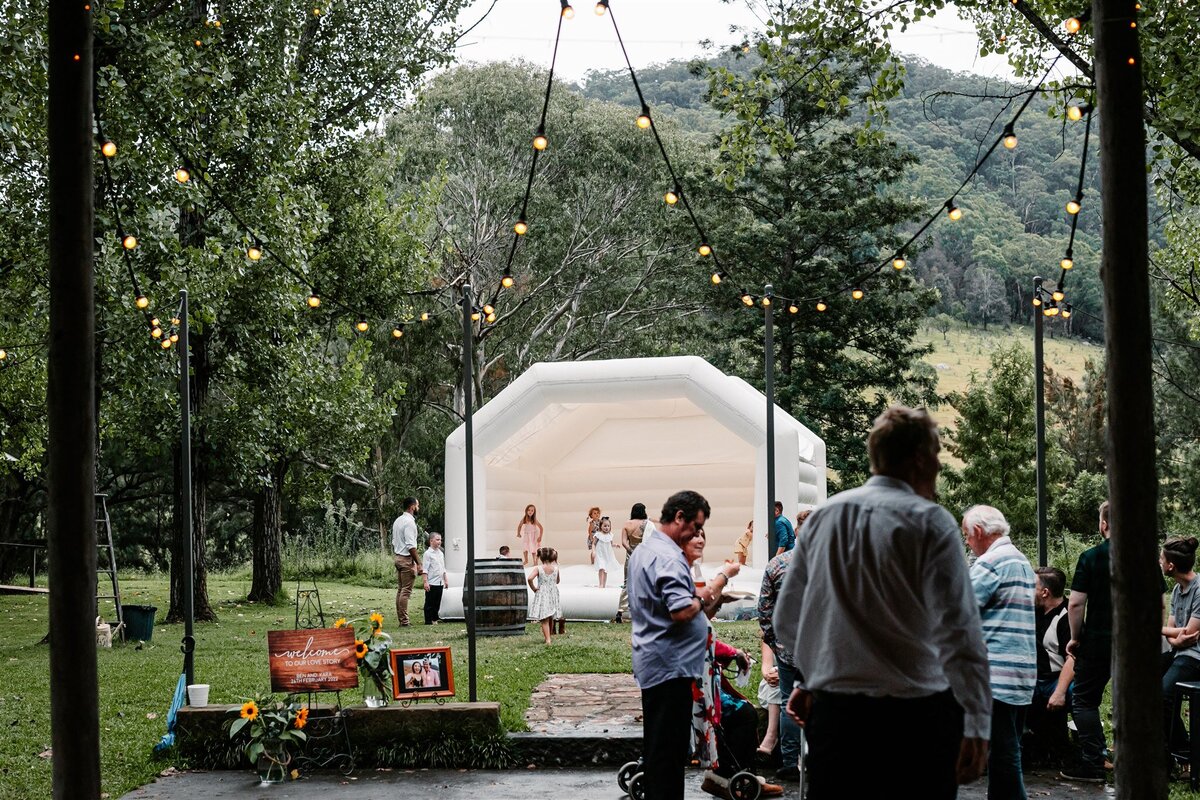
[[1132, 470], [74, 690]]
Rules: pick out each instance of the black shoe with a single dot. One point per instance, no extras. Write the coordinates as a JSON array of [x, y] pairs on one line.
[[1084, 773], [787, 774]]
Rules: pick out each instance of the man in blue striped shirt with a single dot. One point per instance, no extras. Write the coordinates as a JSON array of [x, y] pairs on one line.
[[1004, 585]]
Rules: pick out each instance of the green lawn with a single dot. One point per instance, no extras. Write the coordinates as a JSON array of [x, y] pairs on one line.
[[136, 685]]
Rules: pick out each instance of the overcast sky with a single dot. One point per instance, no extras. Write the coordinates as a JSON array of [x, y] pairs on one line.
[[663, 30]]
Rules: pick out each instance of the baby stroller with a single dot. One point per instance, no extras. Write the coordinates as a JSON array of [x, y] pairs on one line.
[[743, 785]]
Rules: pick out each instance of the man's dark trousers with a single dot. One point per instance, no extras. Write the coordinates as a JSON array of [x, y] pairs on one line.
[[666, 737], [1093, 668], [913, 741]]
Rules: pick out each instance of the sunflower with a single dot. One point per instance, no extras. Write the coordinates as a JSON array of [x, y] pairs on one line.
[[377, 621], [360, 648], [341, 623], [301, 718], [250, 710]]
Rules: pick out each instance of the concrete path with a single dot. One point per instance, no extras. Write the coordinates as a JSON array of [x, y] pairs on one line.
[[588, 704], [581, 784]]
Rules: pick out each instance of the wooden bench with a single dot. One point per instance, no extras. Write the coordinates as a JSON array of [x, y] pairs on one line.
[[6, 589]]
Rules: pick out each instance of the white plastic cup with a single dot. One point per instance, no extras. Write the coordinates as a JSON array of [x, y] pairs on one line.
[[197, 695]]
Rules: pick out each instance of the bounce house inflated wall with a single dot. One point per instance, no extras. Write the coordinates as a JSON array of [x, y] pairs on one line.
[[567, 436]]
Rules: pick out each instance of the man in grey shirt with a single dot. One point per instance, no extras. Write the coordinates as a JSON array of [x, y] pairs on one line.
[[878, 612], [670, 639]]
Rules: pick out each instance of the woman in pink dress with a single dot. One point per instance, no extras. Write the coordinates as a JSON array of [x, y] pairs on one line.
[[530, 532]]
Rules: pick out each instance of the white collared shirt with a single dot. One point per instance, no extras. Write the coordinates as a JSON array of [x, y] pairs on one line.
[[404, 534]]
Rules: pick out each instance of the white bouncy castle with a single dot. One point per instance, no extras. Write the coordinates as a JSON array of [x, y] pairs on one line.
[[566, 436]]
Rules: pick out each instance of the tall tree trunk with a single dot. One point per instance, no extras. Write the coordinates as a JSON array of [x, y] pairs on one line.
[[1132, 466], [381, 498], [202, 609], [267, 578]]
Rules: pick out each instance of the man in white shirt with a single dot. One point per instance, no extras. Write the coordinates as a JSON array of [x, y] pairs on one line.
[[878, 612], [408, 567], [434, 564]]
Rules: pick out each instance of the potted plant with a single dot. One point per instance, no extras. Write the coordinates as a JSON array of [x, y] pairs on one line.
[[371, 646], [270, 729]]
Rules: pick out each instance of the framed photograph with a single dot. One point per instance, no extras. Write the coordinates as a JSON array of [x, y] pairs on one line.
[[422, 672]]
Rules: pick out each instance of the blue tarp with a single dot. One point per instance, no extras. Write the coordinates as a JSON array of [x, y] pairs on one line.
[[168, 738]]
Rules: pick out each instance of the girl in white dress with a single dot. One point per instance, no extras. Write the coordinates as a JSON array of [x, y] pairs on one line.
[[606, 558], [543, 580]]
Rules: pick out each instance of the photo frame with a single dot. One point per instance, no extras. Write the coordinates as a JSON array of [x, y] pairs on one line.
[[422, 672]]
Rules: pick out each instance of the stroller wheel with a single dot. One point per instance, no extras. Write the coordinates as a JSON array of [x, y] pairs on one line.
[[626, 773], [744, 786], [637, 786]]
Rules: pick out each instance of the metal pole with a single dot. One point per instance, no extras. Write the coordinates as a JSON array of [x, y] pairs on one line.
[[185, 458], [70, 408], [1039, 390], [1132, 460], [769, 371], [468, 344]]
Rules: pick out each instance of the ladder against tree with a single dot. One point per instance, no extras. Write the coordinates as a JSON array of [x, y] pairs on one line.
[[107, 565]]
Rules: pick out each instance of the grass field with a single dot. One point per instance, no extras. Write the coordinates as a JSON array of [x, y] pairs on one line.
[[136, 685]]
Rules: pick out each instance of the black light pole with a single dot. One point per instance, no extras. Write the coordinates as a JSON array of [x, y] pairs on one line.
[[70, 410], [769, 371], [1039, 388], [468, 382], [185, 468]]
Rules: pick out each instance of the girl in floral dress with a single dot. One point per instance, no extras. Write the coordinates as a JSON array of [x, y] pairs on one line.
[[543, 580]]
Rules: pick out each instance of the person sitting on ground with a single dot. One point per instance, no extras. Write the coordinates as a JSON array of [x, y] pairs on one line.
[[725, 723], [1046, 740], [1182, 631]]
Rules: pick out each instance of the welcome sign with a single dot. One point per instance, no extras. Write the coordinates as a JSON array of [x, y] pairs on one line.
[[320, 660]]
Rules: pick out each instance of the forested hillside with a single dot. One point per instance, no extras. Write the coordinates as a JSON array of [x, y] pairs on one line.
[[1015, 225]]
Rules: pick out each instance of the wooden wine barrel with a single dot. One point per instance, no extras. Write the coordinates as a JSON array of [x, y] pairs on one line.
[[501, 597]]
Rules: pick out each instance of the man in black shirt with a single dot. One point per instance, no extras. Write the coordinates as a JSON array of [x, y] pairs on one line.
[[1047, 716]]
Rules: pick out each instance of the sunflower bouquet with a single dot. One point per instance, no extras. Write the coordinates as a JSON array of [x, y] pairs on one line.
[[371, 646], [269, 729]]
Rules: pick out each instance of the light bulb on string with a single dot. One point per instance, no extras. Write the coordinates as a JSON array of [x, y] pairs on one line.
[[314, 299], [182, 175], [601, 7], [747, 300], [424, 316], [717, 277], [490, 318], [540, 142], [899, 262], [1058, 295], [1009, 137], [488, 309], [1066, 311], [1067, 261], [671, 197], [254, 252], [1075, 113], [952, 211], [507, 280], [857, 293], [156, 332], [174, 338], [793, 308], [704, 249], [109, 149], [1074, 205], [521, 227], [154, 323], [1073, 25], [766, 302], [476, 316], [643, 120], [175, 321], [3, 354], [141, 301], [129, 241], [362, 326], [1037, 300], [821, 305], [567, 11], [397, 331], [165, 344]]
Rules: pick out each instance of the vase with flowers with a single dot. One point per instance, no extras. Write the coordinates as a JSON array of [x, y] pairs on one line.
[[269, 730], [371, 646]]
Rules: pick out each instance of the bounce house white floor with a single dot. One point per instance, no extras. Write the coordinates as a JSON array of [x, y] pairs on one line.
[[583, 600]]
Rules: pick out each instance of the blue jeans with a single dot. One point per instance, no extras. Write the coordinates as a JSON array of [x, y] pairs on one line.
[[789, 731], [1005, 781]]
